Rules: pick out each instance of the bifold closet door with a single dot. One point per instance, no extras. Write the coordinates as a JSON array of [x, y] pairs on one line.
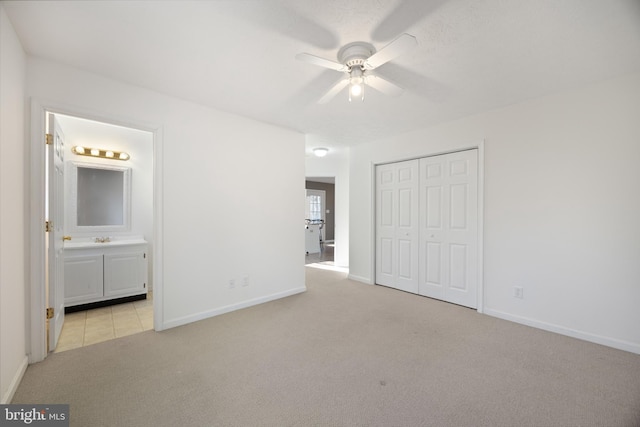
[[449, 227], [397, 225]]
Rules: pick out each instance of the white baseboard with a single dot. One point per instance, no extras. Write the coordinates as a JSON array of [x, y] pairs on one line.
[[229, 308], [360, 279], [597, 339], [15, 382]]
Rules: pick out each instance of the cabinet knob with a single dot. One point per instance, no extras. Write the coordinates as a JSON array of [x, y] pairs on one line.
[[66, 238]]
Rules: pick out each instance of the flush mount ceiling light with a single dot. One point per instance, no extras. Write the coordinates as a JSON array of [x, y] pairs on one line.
[[98, 152], [358, 60], [320, 151]]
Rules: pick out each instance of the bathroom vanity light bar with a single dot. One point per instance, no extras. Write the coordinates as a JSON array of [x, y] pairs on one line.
[[97, 152]]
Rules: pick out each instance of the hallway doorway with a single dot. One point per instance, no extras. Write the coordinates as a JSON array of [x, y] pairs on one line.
[[325, 258]]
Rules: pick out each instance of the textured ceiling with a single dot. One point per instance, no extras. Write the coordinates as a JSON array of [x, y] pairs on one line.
[[238, 56]]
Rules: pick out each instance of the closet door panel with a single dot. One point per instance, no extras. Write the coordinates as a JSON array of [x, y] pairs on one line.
[[426, 226], [386, 257], [433, 199], [458, 213], [448, 218], [397, 225], [385, 226], [433, 211], [458, 266], [405, 259]]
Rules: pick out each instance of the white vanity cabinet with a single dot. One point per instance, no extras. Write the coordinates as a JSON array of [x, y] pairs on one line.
[[101, 271], [83, 278]]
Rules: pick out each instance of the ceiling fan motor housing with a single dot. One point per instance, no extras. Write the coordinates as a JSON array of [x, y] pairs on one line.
[[355, 54]]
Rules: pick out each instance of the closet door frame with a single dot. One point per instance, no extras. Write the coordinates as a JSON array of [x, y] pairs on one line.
[[479, 145]]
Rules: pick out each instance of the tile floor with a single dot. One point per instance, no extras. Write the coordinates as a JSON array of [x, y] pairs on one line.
[[88, 327]]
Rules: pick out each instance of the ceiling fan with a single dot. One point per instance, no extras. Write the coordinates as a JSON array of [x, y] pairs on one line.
[[358, 60]]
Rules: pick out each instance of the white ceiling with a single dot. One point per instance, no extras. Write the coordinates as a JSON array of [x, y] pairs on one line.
[[238, 56], [89, 133]]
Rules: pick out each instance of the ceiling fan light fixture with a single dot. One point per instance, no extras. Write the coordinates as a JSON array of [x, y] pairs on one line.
[[358, 60], [320, 151], [356, 84]]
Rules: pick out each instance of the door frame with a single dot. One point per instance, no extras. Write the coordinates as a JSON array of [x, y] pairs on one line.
[[36, 294], [340, 228], [479, 145]]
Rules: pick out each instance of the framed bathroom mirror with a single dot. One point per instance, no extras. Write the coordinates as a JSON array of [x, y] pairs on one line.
[[100, 198]]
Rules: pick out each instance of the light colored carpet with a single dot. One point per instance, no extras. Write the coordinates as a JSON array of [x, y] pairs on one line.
[[342, 354]]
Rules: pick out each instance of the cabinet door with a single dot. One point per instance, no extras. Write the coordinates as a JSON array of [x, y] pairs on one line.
[[124, 274], [82, 279]]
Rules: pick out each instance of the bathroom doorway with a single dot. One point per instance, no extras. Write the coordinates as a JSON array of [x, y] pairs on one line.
[[97, 320]]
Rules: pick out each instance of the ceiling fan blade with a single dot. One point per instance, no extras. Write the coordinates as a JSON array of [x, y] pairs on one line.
[[383, 85], [391, 51], [333, 91], [316, 60], [406, 14]]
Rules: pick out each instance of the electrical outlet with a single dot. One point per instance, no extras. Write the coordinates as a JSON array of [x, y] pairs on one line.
[[518, 292], [232, 283], [245, 281]]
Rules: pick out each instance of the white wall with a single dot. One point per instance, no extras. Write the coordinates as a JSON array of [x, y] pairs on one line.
[[561, 208], [334, 164], [218, 180], [13, 211], [139, 145]]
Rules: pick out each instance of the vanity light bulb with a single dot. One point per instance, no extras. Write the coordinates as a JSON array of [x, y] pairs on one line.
[[98, 152]]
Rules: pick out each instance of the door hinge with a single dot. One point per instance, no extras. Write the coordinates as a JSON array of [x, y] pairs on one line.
[[50, 313], [48, 225], [48, 139]]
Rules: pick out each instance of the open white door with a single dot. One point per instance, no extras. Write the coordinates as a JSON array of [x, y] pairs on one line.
[[55, 243]]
